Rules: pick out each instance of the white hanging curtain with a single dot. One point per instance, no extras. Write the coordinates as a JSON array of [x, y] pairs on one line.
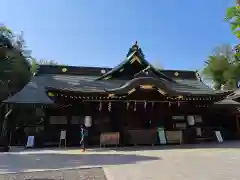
[[88, 121], [190, 120]]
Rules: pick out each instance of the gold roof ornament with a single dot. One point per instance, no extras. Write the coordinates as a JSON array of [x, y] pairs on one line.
[[50, 94], [180, 97], [64, 70], [103, 71], [146, 86], [136, 58], [111, 95], [176, 74]]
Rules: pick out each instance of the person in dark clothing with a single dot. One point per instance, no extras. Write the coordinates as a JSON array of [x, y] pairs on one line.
[[84, 134]]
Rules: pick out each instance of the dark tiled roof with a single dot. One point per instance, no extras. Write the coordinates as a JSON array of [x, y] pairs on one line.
[[192, 86], [234, 95], [90, 79], [228, 102], [34, 92], [150, 71], [119, 66], [181, 74], [72, 70], [177, 87]]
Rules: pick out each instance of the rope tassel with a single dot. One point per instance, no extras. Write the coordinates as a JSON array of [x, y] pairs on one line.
[[135, 106], [109, 106], [100, 106]]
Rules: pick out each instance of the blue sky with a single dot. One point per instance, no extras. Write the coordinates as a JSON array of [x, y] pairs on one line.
[[178, 34]]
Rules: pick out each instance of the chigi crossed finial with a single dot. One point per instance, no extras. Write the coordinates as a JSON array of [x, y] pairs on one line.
[[135, 46]]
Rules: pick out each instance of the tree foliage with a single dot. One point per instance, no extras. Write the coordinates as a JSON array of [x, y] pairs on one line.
[[16, 68], [233, 17], [14, 65], [35, 63], [222, 68]]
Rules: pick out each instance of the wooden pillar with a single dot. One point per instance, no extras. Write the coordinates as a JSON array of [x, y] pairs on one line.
[[170, 122], [1, 117], [237, 124], [46, 120], [46, 125]]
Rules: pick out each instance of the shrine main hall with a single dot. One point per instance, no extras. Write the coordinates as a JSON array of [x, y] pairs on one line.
[[133, 103]]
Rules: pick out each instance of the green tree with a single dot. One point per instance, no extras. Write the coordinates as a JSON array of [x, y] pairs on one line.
[[14, 65], [16, 68], [220, 67], [35, 63], [233, 17], [14, 72]]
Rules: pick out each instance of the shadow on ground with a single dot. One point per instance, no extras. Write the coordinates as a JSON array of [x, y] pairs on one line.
[[23, 162]]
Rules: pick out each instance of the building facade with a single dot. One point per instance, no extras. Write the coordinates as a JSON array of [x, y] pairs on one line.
[[131, 101]]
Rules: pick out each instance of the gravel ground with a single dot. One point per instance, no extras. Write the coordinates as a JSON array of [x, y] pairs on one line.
[[73, 174], [199, 162]]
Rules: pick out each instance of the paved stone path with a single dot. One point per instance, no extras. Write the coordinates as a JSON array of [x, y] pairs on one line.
[[215, 162], [73, 174]]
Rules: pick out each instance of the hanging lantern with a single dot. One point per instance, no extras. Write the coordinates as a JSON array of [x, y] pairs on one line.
[[88, 121], [191, 120], [100, 106], [109, 106]]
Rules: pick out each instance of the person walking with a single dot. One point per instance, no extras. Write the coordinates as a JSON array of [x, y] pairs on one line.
[[84, 134]]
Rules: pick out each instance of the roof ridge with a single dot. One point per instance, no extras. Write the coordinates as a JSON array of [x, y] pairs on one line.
[[179, 70], [71, 66], [156, 72], [118, 66], [69, 70]]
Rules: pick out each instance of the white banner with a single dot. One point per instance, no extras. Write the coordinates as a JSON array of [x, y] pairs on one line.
[[218, 136], [30, 142]]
